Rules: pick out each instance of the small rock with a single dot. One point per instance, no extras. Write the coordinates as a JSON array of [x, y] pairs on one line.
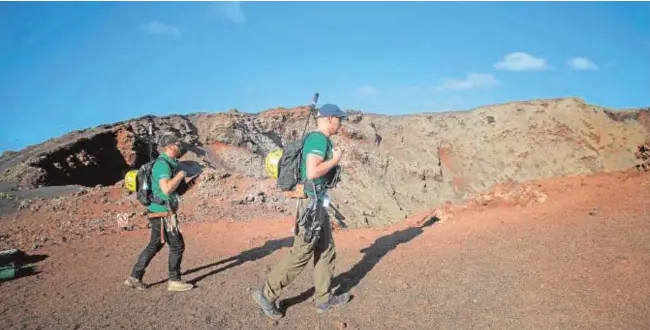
[[24, 204], [367, 213], [341, 325], [593, 212]]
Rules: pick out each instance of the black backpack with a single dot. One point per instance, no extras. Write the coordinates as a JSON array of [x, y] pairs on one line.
[[289, 174], [143, 184]]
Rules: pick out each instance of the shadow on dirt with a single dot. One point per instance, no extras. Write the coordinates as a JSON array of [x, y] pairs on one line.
[[372, 255], [234, 261], [15, 264]]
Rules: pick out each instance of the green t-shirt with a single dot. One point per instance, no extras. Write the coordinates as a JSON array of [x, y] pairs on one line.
[[162, 170], [317, 144]]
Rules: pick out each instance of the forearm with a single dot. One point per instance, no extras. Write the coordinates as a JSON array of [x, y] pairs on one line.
[[322, 169], [173, 183]]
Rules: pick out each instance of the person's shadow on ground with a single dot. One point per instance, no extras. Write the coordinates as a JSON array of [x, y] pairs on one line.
[[234, 261], [373, 254], [23, 264]]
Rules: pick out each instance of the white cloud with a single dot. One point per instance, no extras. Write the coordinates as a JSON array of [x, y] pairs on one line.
[[521, 62], [366, 90], [582, 63], [232, 10], [158, 28], [471, 81]]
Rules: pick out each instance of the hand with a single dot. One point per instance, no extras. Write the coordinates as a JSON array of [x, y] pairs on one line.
[[191, 178], [182, 173], [337, 154]]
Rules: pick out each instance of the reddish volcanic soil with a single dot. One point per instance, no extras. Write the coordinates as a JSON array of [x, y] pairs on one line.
[[576, 258]]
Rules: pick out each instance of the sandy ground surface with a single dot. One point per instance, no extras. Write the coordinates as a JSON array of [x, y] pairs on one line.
[[579, 260]]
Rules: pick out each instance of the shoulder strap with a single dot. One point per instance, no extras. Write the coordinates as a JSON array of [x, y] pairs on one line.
[[327, 148], [312, 132], [165, 160], [171, 168], [307, 135]]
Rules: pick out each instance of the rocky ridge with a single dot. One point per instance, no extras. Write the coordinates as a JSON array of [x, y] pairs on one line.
[[393, 166]]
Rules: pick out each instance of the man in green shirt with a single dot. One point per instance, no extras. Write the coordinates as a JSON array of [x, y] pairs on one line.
[[319, 158], [165, 179]]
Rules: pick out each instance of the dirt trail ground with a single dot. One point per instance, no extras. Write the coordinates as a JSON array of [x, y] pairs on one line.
[[579, 260]]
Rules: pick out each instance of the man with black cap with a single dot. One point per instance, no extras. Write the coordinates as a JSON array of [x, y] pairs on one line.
[[165, 179], [314, 235]]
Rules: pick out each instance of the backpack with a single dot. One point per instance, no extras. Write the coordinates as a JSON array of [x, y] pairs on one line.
[[289, 164], [143, 184]]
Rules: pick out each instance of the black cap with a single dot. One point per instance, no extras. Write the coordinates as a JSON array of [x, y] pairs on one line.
[[167, 139]]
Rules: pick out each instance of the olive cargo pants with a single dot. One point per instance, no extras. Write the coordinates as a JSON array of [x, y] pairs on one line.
[[292, 265]]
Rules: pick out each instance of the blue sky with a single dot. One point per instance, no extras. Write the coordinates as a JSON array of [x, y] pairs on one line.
[[78, 65]]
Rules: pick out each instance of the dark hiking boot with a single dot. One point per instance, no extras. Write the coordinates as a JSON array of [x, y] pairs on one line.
[[267, 307], [135, 283], [334, 301]]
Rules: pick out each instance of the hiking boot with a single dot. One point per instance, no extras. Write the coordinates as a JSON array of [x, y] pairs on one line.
[[179, 286], [267, 307], [135, 283], [333, 301]]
